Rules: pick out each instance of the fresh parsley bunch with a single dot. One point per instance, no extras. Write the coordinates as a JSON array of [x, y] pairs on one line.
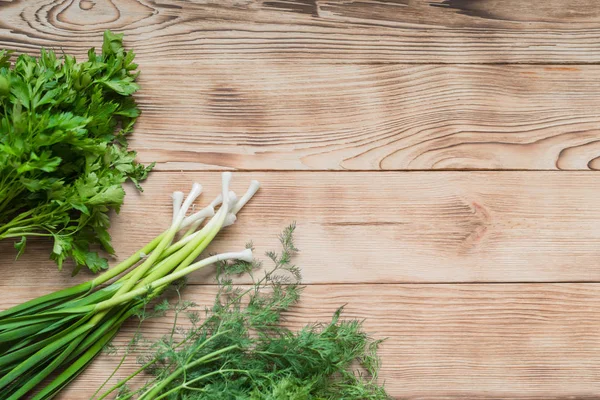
[[63, 148]]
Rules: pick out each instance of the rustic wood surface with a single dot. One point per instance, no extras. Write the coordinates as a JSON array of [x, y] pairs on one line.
[[263, 115], [385, 227], [365, 121], [415, 31]]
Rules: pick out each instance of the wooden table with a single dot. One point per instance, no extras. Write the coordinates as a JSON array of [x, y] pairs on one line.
[[438, 157]]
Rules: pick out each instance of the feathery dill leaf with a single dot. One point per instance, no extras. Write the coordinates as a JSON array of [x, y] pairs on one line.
[[238, 349]]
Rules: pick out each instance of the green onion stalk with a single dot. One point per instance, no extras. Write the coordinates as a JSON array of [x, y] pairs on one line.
[[64, 331]]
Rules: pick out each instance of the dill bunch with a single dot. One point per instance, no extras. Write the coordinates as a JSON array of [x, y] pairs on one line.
[[238, 349]]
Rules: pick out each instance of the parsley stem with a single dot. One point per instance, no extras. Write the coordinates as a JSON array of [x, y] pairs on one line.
[[25, 233]]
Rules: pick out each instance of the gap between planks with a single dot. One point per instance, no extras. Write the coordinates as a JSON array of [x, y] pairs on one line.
[[427, 283], [408, 283], [346, 171], [391, 227]]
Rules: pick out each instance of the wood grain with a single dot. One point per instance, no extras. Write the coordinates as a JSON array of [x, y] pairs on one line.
[[374, 87], [383, 227], [275, 85], [262, 115], [526, 341], [421, 31]]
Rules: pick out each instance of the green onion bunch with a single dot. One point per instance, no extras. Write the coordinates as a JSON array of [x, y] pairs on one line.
[[63, 331]]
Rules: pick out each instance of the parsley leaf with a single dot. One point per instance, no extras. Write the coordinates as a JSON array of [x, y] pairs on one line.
[[63, 148], [20, 246]]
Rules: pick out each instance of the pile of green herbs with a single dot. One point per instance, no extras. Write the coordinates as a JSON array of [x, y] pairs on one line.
[[63, 148], [239, 349]]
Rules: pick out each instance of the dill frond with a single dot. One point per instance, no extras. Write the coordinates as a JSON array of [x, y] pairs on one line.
[[238, 347]]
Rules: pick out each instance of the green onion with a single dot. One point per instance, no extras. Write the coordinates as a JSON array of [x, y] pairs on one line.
[[65, 330]]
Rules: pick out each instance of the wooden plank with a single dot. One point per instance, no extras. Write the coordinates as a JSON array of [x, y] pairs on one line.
[[205, 110], [527, 341], [262, 115], [422, 31], [383, 227]]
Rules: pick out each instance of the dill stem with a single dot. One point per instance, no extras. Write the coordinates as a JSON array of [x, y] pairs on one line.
[[123, 358], [136, 373], [151, 393], [204, 343], [154, 360], [184, 385]]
